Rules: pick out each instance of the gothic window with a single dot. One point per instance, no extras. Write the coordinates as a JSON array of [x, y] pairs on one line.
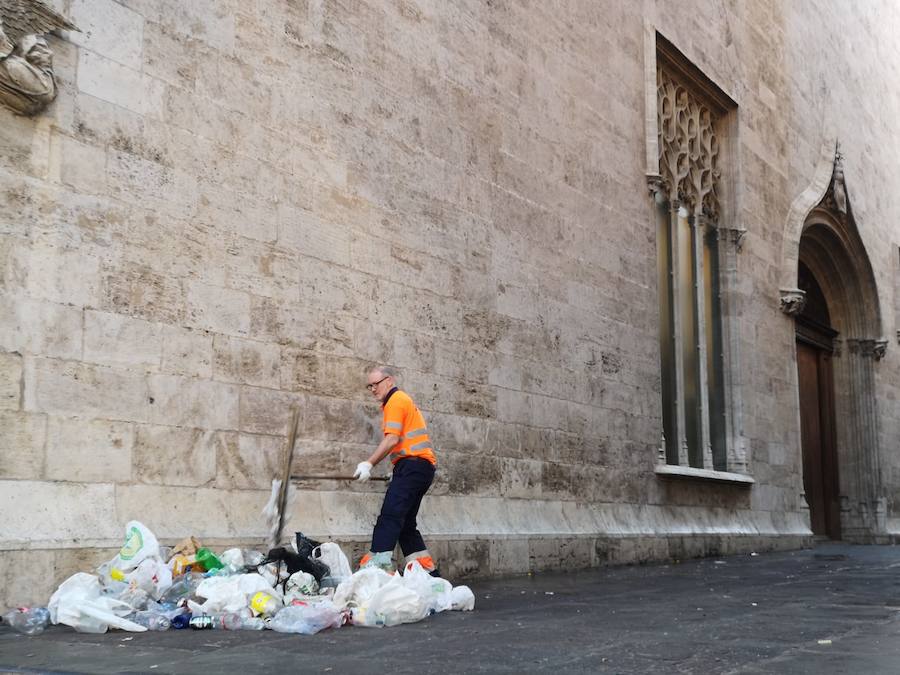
[[696, 264]]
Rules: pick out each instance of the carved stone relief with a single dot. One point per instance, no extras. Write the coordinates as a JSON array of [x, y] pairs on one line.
[[27, 85], [688, 148], [836, 197], [793, 300]]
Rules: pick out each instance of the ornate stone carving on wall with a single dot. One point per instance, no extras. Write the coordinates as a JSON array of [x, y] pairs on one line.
[[874, 349], [836, 196], [27, 85], [793, 300], [688, 148]]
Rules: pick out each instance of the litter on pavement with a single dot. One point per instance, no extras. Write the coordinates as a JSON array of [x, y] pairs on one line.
[[303, 589]]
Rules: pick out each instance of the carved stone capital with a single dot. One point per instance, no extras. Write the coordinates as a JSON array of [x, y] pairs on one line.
[[736, 237], [793, 300], [656, 186], [867, 348]]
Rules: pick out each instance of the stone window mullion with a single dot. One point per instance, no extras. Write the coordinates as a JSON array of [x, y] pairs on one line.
[[678, 333], [698, 227]]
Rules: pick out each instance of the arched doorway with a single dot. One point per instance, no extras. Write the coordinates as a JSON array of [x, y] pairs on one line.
[[834, 304]]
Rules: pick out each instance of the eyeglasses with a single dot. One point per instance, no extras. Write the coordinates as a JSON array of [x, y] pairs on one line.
[[371, 387]]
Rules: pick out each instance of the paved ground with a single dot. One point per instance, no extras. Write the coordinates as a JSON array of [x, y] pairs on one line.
[[834, 609]]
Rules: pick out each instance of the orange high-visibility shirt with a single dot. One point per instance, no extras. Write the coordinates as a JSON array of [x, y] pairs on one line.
[[402, 418]]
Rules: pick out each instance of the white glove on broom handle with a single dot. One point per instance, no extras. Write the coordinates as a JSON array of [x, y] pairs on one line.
[[363, 471]]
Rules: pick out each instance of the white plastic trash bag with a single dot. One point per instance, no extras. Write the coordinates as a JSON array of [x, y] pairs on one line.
[[360, 587], [436, 592], [229, 594], [140, 544], [78, 603], [152, 576], [306, 619], [391, 605], [332, 555], [233, 556], [462, 598]]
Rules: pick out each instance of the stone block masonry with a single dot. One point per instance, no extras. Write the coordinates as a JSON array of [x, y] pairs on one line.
[[233, 208]]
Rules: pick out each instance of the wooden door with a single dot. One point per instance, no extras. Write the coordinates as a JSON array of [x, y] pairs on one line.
[[820, 476]]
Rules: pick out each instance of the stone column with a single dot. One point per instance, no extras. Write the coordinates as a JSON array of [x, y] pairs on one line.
[[731, 240]]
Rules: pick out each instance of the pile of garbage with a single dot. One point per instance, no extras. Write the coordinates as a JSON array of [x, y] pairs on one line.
[[303, 589]]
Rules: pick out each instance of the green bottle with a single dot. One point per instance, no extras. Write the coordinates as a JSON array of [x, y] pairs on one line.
[[208, 560]]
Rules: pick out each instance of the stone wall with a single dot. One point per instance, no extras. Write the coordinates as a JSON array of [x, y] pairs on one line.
[[234, 207]]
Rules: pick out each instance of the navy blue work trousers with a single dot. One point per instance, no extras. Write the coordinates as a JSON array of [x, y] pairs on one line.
[[397, 522]]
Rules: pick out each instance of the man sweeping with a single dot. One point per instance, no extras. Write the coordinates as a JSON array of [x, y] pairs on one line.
[[406, 441]]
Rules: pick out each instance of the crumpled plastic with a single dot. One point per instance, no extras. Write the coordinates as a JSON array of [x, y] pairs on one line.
[[392, 604], [360, 587], [462, 599], [152, 576], [78, 603], [299, 587], [376, 598], [229, 594], [435, 591], [307, 619], [332, 555]]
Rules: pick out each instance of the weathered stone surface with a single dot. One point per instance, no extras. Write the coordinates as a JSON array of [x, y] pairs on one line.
[[119, 84], [176, 456], [219, 309], [10, 381], [43, 513], [22, 444], [82, 166], [246, 362], [109, 29], [72, 388], [267, 411], [116, 340], [171, 511], [186, 401], [89, 451], [187, 352], [249, 461]]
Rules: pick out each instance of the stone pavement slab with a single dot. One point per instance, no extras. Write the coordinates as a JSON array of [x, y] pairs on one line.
[[833, 609]]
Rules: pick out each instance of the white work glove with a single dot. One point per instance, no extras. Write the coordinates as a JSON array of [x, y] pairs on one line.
[[363, 471]]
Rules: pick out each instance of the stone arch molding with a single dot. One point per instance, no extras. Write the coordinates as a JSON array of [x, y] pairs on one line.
[[826, 202]]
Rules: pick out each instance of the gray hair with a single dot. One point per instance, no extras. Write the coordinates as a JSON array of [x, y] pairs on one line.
[[386, 371]]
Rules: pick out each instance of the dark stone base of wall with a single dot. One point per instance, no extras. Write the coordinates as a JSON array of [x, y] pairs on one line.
[[30, 576], [485, 557]]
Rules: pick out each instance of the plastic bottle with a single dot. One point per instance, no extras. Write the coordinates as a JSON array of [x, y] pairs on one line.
[[253, 623], [152, 620], [30, 621], [182, 564], [181, 621], [208, 560], [252, 558], [306, 619], [183, 588]]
